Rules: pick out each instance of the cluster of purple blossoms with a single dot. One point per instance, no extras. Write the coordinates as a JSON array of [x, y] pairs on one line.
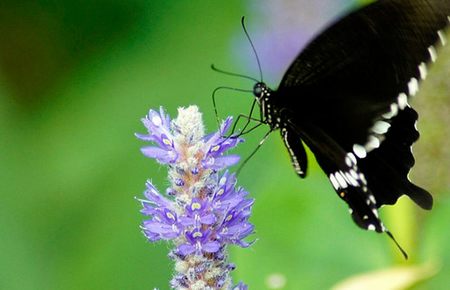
[[202, 211]]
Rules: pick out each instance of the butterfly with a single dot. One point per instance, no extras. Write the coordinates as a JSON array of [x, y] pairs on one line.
[[345, 96]]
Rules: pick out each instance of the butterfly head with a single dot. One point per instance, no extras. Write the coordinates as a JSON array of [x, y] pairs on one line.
[[269, 112], [261, 92]]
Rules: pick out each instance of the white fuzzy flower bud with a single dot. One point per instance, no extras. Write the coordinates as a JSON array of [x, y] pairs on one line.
[[189, 123]]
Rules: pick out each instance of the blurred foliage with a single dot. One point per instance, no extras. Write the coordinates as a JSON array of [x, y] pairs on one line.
[[76, 77]]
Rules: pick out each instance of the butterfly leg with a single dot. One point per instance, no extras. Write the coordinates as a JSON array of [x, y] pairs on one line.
[[293, 143], [261, 142], [249, 118], [213, 96]]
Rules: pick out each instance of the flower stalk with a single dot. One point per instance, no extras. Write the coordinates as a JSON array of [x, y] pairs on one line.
[[202, 211]]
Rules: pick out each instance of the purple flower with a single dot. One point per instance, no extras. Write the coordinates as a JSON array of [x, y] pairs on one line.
[[202, 211], [235, 226], [240, 286], [225, 196], [216, 144], [154, 200], [164, 225], [158, 126], [198, 242], [198, 213]]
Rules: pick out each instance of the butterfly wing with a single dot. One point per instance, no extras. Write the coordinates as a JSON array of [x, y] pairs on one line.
[[365, 65], [386, 168], [342, 169], [354, 81], [392, 36], [347, 179]]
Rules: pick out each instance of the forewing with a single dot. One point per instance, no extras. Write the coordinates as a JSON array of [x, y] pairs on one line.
[[354, 82], [395, 32], [365, 65]]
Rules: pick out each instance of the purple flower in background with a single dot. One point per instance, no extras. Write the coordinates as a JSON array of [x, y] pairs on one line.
[[202, 211], [280, 30]]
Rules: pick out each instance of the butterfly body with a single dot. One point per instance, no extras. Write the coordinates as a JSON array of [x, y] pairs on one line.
[[346, 97]]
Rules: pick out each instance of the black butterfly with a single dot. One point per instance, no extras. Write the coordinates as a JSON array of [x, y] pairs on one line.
[[346, 97]]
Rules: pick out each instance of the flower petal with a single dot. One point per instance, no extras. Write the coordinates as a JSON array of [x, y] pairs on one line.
[[222, 162], [185, 249], [159, 154], [211, 247], [152, 194], [165, 231], [208, 219], [240, 286], [144, 137]]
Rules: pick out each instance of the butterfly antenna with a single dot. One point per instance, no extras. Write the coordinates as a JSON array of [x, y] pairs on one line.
[[253, 47], [405, 255], [214, 68]]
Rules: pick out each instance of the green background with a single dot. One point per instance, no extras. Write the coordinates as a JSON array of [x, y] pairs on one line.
[[75, 79]]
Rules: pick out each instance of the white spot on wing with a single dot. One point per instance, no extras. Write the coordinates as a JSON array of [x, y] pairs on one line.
[[341, 180], [371, 227], [345, 177], [351, 180], [375, 213], [413, 87], [423, 70], [372, 143], [352, 157], [334, 181], [433, 53], [402, 101], [381, 127], [348, 161], [359, 151], [392, 113]]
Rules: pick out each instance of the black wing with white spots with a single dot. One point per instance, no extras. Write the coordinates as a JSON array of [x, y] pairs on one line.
[[387, 167], [354, 82], [347, 97], [364, 67], [342, 169]]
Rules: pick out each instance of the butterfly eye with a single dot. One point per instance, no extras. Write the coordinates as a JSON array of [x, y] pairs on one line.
[[258, 90]]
